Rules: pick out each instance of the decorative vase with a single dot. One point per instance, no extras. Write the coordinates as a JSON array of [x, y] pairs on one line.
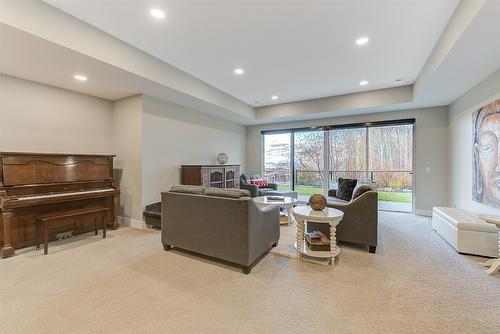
[[317, 202], [222, 158]]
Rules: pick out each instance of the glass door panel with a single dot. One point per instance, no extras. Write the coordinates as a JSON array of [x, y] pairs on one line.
[[347, 155], [309, 162], [391, 165], [277, 166]]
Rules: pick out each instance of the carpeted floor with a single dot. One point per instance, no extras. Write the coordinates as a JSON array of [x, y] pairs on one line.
[[416, 283]]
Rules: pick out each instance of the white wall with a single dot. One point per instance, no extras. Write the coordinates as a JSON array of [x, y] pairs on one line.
[[460, 142], [127, 145], [39, 118], [430, 145], [174, 135], [150, 137]]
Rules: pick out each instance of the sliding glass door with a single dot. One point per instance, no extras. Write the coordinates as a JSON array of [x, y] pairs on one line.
[[347, 154], [390, 157], [309, 162], [277, 163]]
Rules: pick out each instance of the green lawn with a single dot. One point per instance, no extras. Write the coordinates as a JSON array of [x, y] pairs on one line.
[[382, 195], [304, 190], [394, 197]]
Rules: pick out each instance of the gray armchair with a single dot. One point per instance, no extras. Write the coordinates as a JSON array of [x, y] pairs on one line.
[[221, 223], [360, 222], [255, 190]]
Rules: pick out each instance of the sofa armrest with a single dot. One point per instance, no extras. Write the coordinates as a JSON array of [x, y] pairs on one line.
[[332, 192], [273, 186], [263, 229], [252, 188], [361, 215]]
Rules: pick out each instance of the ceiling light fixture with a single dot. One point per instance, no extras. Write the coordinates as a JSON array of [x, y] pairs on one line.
[[398, 81], [239, 71], [80, 77], [362, 41], [157, 13], [364, 82], [275, 97]]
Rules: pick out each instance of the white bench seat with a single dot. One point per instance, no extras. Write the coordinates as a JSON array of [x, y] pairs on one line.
[[465, 231]]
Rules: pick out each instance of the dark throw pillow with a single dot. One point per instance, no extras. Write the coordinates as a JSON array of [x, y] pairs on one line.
[[345, 188]]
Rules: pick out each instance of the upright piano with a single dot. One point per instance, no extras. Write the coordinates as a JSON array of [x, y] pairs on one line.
[[32, 184]]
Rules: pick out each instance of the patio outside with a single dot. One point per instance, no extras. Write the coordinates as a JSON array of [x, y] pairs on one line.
[[381, 154]]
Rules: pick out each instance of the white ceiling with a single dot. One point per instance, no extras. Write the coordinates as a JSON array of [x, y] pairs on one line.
[[26, 56], [295, 49]]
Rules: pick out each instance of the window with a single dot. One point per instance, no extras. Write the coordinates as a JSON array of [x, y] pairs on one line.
[[381, 152], [277, 159], [309, 162]]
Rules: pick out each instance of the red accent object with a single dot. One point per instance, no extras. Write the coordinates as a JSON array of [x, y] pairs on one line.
[[259, 182]]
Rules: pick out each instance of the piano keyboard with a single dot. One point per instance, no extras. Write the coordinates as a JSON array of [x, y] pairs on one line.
[[61, 194]]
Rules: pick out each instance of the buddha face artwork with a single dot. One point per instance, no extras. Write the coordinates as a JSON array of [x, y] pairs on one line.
[[486, 155]]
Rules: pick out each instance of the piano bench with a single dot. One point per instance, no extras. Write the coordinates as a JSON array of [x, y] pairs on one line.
[[44, 221]]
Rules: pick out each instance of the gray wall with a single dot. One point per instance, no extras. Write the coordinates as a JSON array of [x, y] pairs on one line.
[[175, 135], [40, 118], [460, 142], [127, 145], [431, 134]]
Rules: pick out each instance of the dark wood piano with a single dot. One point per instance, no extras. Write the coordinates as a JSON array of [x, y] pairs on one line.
[[32, 184]]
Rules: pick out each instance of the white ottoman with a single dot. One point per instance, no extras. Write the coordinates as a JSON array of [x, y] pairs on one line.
[[465, 231]]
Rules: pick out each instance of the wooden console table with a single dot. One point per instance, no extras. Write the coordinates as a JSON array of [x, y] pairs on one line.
[[218, 176]]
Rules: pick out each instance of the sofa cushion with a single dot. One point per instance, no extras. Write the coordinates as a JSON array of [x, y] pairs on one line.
[[464, 220], [369, 182], [244, 178], [330, 200], [345, 188], [230, 193], [199, 190], [259, 182], [360, 189]]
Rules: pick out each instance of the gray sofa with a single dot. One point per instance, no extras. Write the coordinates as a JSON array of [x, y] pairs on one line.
[[360, 222], [221, 223], [255, 190]]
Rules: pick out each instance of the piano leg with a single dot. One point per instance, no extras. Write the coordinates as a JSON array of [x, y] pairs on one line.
[[114, 213], [7, 248], [104, 226]]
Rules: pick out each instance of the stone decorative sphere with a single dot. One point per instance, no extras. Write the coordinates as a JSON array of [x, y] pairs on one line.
[[317, 202], [222, 158]]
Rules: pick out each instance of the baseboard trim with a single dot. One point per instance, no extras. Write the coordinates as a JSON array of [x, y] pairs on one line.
[[426, 213], [135, 223]]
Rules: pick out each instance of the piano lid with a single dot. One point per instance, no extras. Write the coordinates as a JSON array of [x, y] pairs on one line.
[[45, 168]]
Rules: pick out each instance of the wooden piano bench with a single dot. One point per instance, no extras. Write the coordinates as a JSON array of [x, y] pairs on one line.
[[44, 221]]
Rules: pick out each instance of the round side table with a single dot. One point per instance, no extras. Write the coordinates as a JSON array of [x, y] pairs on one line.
[[287, 203], [326, 216]]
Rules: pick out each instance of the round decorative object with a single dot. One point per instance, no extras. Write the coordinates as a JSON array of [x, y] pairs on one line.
[[222, 158], [317, 202]]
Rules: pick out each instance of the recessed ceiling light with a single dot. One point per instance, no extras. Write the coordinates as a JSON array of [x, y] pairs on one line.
[[157, 13], [398, 81], [364, 82], [80, 77], [275, 97], [239, 71], [362, 40]]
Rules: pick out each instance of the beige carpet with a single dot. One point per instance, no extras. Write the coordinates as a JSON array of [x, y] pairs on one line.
[[127, 284]]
